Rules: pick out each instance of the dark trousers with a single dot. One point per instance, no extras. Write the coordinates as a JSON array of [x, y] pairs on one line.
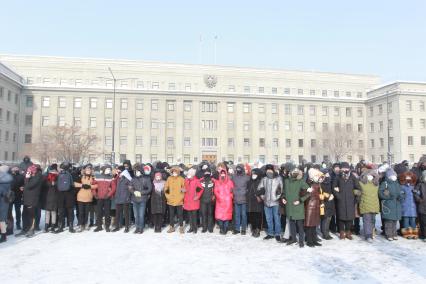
[[66, 202], [193, 219], [297, 226], [390, 228], [345, 225], [29, 220], [325, 226], [83, 209], [207, 221], [17, 204], [176, 210], [158, 221], [357, 226], [103, 207], [422, 225], [122, 210], [255, 219], [311, 235], [333, 224]]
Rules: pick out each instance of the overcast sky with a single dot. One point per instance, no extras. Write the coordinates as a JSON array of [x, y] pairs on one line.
[[385, 38]]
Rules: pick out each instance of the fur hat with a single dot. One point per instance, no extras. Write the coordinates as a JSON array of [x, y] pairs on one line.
[[390, 172], [175, 169], [191, 172], [315, 175], [345, 165]]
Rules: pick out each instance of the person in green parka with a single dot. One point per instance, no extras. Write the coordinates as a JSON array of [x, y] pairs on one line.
[[294, 196], [369, 205], [390, 195]]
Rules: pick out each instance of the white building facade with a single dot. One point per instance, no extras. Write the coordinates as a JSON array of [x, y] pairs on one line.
[[188, 113]]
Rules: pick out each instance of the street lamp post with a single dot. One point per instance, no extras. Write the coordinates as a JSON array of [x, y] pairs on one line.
[[114, 79], [387, 117]]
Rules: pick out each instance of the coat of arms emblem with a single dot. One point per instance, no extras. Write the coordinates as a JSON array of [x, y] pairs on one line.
[[210, 81]]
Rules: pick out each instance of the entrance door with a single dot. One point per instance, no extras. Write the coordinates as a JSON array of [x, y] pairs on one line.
[[211, 158]]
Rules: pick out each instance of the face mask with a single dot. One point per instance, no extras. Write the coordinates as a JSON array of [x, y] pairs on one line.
[[206, 175], [146, 172], [107, 171], [294, 175], [27, 175], [392, 178], [138, 173], [158, 178], [370, 177], [269, 174], [175, 174], [408, 178], [239, 170], [254, 177]]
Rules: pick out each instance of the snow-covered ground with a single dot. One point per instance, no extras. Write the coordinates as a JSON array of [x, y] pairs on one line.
[[205, 258]]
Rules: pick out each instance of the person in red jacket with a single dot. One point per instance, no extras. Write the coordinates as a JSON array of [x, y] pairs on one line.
[[223, 191], [191, 200], [103, 195]]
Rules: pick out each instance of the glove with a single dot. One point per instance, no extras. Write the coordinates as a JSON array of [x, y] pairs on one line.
[[137, 193], [86, 186], [336, 189], [297, 202], [198, 189], [284, 201], [331, 197], [167, 191], [310, 189]]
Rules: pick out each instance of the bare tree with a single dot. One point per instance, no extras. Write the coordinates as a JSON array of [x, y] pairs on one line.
[[65, 143], [338, 143]]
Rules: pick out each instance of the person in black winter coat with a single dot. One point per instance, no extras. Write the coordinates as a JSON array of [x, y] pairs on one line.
[[17, 187], [66, 198], [158, 201], [140, 189], [207, 199], [420, 198], [254, 202], [49, 201], [32, 188], [327, 207]]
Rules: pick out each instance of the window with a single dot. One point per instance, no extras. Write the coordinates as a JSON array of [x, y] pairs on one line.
[[275, 143], [422, 106], [29, 101], [231, 107], [28, 120], [139, 141], [288, 143], [336, 111], [261, 142], [188, 87], [170, 106], [246, 89], [274, 91], [209, 142], [360, 128], [389, 108], [390, 124], [246, 142], [208, 107], [139, 123], [261, 90], [27, 138], [380, 126], [324, 93], [324, 126], [123, 140], [348, 127], [45, 101], [246, 107], [300, 143], [187, 106], [62, 102], [423, 140], [155, 85], [77, 122], [108, 140], [348, 112], [337, 127], [348, 94], [359, 95], [123, 123], [231, 142], [422, 123], [300, 91], [313, 143], [287, 91], [138, 158], [261, 108], [312, 110], [209, 124], [61, 121], [380, 107], [371, 127], [231, 88], [123, 104], [300, 126], [93, 102], [300, 109], [139, 84], [371, 111], [78, 82], [77, 102], [287, 125], [154, 141], [172, 86], [336, 94], [324, 111], [274, 108], [230, 125], [261, 125], [382, 142], [154, 105], [92, 122], [108, 122], [409, 122], [45, 121], [187, 125], [187, 141], [372, 143], [287, 109], [246, 126], [359, 112], [275, 126], [409, 105], [154, 124], [312, 126], [312, 92], [410, 141], [108, 103]]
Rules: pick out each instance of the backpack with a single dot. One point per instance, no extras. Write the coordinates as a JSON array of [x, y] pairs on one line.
[[64, 182]]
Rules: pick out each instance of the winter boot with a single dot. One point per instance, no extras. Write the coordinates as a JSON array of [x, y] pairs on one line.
[[116, 229], [21, 233], [136, 231], [46, 228], [30, 233], [126, 230], [243, 232], [3, 238], [415, 234], [235, 232], [80, 229], [342, 235], [107, 229], [171, 229], [98, 229], [405, 233], [181, 230], [71, 229], [349, 235]]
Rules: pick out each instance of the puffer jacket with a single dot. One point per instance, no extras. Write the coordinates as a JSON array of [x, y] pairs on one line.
[[207, 187], [390, 194], [86, 195], [240, 188], [193, 194], [32, 189], [122, 193], [106, 187], [295, 190], [369, 198], [254, 202], [173, 190], [223, 191], [408, 204], [271, 190], [143, 185]]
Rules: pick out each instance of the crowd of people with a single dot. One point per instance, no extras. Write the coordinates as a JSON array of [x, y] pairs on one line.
[[292, 204]]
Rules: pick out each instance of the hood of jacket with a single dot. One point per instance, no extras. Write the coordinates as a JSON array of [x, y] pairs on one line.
[[373, 173]]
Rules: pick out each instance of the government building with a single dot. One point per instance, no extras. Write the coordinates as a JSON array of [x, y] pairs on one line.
[[184, 113]]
